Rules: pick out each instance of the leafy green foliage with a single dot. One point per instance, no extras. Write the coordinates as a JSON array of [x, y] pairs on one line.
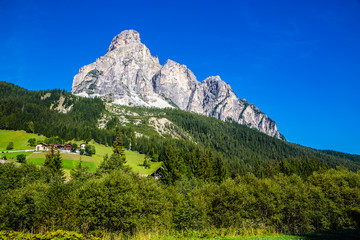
[[80, 171], [122, 201], [146, 164], [10, 146], [31, 126], [21, 158], [59, 234], [117, 159], [53, 162], [32, 142], [90, 150], [74, 147], [275, 185]]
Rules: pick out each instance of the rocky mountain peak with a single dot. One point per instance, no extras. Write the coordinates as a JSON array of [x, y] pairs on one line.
[[124, 38], [129, 75], [216, 86]]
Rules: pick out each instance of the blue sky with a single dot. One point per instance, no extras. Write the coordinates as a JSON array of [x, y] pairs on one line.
[[298, 61]]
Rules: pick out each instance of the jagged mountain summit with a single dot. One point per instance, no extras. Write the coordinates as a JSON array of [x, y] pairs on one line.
[[129, 75]]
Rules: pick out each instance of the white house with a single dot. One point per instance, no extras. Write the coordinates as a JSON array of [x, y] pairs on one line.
[[42, 147], [82, 146]]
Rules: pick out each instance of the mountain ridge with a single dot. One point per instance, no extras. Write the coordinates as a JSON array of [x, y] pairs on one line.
[[150, 130], [129, 75]]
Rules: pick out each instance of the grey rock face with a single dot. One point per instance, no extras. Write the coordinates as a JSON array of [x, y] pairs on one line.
[[175, 82], [129, 75]]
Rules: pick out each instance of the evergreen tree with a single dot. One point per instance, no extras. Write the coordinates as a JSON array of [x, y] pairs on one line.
[[220, 170], [118, 146], [117, 160], [53, 162], [173, 166], [207, 160], [31, 126], [80, 171]]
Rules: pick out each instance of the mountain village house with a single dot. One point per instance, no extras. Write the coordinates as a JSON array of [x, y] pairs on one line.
[[42, 147], [63, 148]]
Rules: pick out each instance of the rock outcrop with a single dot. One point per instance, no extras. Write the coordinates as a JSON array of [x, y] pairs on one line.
[[129, 75]]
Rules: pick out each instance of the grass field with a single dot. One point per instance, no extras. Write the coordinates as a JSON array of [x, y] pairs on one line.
[[133, 159], [69, 160], [350, 234], [13, 155], [265, 237], [67, 164], [19, 138]]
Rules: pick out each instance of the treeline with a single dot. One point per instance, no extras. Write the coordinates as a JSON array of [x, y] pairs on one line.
[[241, 145], [19, 107], [32, 199], [243, 150]]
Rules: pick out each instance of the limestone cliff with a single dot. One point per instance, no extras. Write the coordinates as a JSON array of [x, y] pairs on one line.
[[129, 75]]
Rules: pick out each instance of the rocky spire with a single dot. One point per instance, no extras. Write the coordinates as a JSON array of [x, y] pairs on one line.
[[129, 75], [124, 38]]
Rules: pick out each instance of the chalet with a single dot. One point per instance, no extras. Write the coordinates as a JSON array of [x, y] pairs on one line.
[[58, 146], [143, 175], [67, 147], [156, 174], [42, 147]]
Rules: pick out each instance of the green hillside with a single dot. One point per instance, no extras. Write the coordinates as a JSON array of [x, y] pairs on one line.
[[218, 180], [19, 138], [154, 131]]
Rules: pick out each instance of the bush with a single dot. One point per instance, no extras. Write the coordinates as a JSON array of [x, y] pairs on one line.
[[59, 234], [32, 142], [146, 163], [89, 150], [21, 158], [10, 146]]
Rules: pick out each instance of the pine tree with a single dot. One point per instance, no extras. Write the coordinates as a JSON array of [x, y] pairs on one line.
[[220, 170], [207, 160], [53, 162], [118, 145], [117, 160], [79, 171], [173, 166]]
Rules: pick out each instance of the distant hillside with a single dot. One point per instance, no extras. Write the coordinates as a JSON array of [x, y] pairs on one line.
[[353, 157], [155, 132], [19, 138]]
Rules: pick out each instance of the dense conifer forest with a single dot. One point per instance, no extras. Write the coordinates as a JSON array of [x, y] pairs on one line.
[[212, 142], [219, 177]]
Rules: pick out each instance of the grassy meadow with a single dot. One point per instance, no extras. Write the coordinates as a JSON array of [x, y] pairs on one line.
[[133, 159], [20, 140]]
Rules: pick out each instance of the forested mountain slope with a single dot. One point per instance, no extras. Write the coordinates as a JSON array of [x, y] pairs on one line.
[[156, 132]]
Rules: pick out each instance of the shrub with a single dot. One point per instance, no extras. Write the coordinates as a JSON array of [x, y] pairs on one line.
[[32, 142], [21, 158], [89, 150], [10, 146]]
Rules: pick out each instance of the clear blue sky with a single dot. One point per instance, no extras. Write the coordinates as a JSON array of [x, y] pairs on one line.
[[298, 61]]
